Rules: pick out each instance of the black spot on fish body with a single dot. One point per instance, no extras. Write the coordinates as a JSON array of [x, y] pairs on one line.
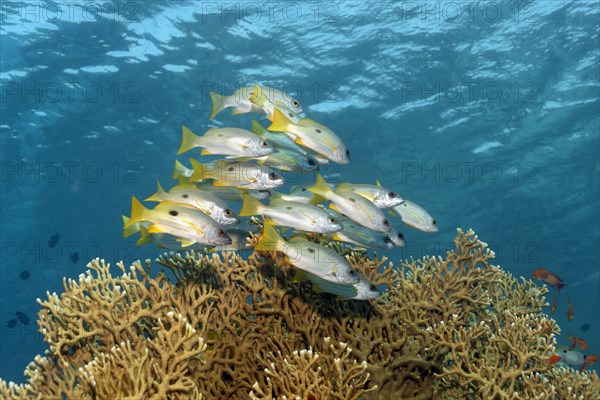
[[352, 199], [219, 134], [318, 130], [185, 196], [585, 327], [25, 275], [289, 208], [230, 169], [311, 250], [304, 189], [11, 323], [173, 213], [23, 318], [75, 257], [53, 241]]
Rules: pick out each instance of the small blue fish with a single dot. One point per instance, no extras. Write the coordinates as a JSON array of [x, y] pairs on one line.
[[23, 318], [25, 275], [53, 241], [74, 257]]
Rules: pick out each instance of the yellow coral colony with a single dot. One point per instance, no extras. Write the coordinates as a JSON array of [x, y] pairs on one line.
[[225, 327]]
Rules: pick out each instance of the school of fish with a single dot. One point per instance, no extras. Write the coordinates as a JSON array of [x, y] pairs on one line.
[[249, 167]]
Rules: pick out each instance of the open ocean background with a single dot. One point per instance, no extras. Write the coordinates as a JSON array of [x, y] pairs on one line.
[[486, 114]]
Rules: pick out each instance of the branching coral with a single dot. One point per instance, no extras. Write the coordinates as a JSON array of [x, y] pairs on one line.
[[223, 326]]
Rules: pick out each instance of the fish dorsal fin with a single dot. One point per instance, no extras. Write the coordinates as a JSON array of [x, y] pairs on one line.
[[377, 182]]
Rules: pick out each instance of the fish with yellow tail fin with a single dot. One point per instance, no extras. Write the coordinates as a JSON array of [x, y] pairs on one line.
[[312, 135], [301, 216], [132, 228], [415, 216], [363, 290], [204, 201], [187, 224], [308, 256], [166, 241], [231, 193], [359, 235], [377, 194], [181, 171], [240, 102], [355, 207], [234, 142], [244, 175]]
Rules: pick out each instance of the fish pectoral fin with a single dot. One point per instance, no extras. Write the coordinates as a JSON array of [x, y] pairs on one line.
[[205, 152], [237, 111], [154, 229], [334, 207]]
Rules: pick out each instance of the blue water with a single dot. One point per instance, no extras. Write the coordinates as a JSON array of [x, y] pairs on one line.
[[484, 114]]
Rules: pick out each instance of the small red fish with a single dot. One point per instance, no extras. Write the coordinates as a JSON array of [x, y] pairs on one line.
[[587, 361], [547, 329], [553, 359], [570, 312], [553, 308], [549, 278], [579, 342]]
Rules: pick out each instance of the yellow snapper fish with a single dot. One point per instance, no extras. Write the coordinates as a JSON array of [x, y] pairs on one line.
[[308, 256], [301, 216], [377, 194], [204, 201], [261, 98], [312, 135], [278, 140], [355, 207], [244, 175], [232, 142], [415, 216], [359, 235], [240, 102], [363, 290], [187, 224]]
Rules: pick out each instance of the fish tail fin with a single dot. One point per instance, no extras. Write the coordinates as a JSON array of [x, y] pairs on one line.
[[257, 96], [218, 104], [188, 140], [137, 212], [158, 195], [250, 205], [131, 229], [200, 171], [321, 187], [145, 236], [270, 238], [258, 128], [280, 122], [179, 170]]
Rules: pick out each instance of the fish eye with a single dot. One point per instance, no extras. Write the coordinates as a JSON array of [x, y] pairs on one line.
[[295, 103], [263, 143], [273, 176], [433, 222], [372, 288], [222, 233], [228, 212], [318, 130], [387, 239], [352, 272], [311, 161], [392, 195], [386, 222], [400, 236], [332, 220]]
